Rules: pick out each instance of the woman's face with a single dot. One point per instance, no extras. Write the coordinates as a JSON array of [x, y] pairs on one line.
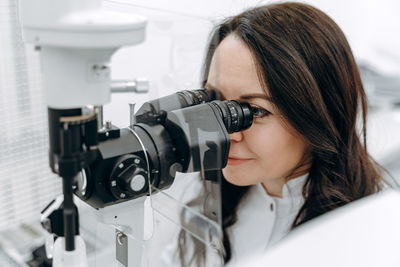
[[270, 151]]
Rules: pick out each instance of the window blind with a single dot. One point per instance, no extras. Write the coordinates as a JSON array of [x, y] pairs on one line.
[[26, 182]]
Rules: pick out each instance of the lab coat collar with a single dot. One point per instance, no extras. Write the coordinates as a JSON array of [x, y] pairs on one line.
[[292, 196]]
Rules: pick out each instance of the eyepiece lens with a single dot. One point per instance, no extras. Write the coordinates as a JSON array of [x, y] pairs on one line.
[[237, 116]]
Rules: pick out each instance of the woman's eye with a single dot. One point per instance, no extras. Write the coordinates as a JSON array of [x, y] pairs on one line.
[[259, 112]]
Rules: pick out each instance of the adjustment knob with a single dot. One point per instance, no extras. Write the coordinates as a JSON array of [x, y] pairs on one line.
[[128, 178], [133, 179], [138, 182]]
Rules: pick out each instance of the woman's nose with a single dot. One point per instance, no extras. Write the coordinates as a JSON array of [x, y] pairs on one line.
[[237, 137]]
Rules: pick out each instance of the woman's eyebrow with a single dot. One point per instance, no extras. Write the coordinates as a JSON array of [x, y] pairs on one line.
[[242, 97], [252, 96]]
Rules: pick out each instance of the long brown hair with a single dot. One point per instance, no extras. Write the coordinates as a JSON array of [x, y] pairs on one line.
[[305, 61]]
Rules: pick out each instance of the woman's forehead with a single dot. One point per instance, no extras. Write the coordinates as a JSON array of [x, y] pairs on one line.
[[232, 56], [233, 71]]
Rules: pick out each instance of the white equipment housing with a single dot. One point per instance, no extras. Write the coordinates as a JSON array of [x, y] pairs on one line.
[[77, 39]]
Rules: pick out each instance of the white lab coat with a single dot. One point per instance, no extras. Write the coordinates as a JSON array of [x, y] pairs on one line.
[[262, 221]]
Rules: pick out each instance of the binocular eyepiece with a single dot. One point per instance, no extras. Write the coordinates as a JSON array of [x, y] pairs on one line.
[[236, 116]]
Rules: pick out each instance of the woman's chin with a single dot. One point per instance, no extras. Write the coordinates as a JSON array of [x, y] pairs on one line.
[[235, 178]]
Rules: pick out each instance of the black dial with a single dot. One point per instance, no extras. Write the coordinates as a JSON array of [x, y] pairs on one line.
[[129, 177]]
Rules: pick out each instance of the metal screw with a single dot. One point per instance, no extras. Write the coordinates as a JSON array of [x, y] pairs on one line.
[[132, 113]]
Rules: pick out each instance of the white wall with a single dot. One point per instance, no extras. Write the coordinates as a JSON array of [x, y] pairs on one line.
[[372, 28]]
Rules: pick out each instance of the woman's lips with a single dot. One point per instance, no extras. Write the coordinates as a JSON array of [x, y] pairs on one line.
[[236, 161]]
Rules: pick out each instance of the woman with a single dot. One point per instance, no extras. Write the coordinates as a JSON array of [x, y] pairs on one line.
[[303, 156]]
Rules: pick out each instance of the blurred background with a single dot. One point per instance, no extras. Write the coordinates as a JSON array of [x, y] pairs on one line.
[[171, 60]]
